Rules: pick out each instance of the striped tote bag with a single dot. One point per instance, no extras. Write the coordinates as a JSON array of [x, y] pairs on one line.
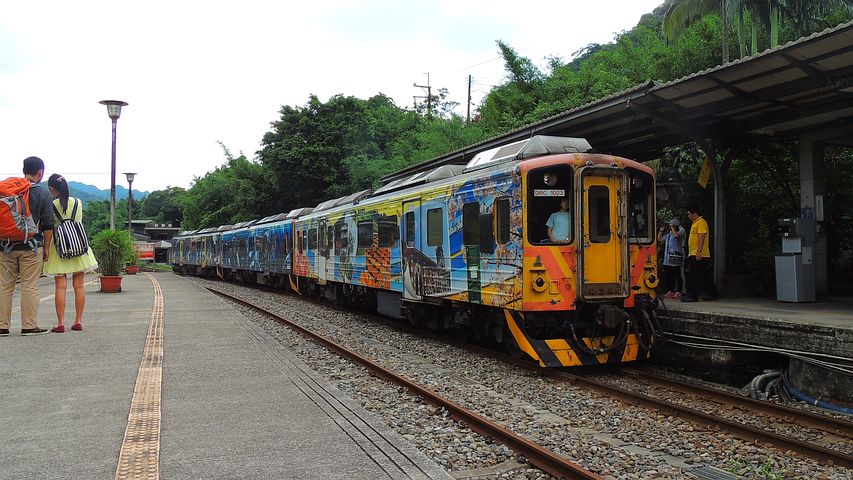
[[69, 237]]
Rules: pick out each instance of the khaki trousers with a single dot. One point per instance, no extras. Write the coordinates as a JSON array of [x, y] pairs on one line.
[[26, 264]]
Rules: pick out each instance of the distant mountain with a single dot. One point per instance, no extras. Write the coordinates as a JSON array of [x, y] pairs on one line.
[[89, 193]]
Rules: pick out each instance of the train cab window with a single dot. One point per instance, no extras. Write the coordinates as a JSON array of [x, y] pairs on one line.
[[389, 231], [471, 223], [330, 238], [546, 187], [640, 206], [502, 221], [435, 227], [599, 214], [365, 235]]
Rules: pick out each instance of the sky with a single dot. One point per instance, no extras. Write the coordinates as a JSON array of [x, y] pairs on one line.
[[199, 73]]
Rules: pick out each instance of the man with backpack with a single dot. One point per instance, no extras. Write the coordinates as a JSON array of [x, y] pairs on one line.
[[26, 220]]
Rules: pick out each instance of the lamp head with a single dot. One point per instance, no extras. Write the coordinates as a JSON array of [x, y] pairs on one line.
[[130, 176], [113, 107]]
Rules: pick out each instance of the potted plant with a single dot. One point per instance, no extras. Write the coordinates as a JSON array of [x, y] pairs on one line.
[[132, 267], [112, 248]]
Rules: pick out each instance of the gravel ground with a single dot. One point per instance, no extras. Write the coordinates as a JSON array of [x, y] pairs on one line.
[[606, 436]]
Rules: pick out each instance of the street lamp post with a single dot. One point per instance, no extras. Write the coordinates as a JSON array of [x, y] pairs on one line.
[[130, 176], [114, 111]]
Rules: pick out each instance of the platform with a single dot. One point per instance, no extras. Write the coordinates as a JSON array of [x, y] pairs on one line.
[[823, 330], [232, 402]]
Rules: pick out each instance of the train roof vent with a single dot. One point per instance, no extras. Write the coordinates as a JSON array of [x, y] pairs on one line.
[[444, 171], [247, 223], [353, 198], [326, 205], [298, 212], [535, 146], [440, 173], [272, 218], [224, 228]]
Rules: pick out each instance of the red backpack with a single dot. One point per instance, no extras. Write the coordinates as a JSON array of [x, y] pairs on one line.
[[16, 221]]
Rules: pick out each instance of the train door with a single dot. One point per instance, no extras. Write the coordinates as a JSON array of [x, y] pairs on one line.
[[603, 231], [322, 252], [411, 246]]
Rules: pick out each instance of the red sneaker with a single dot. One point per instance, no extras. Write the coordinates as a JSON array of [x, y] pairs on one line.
[[58, 329], [77, 326]]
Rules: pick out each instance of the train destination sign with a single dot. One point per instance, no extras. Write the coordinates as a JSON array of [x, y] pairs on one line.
[[544, 192]]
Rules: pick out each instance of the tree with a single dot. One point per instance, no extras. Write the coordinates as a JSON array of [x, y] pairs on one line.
[[237, 191], [165, 205]]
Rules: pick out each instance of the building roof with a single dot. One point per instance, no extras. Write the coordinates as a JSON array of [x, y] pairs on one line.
[[802, 86]]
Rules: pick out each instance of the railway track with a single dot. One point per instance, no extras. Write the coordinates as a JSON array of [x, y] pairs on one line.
[[739, 430], [538, 456]]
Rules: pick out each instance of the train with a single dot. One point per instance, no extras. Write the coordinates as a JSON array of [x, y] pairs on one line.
[[466, 249]]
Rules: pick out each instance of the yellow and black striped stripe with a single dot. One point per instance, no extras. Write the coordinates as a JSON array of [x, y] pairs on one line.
[[565, 352]]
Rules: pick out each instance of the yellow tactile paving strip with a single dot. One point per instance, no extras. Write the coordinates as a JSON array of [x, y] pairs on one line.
[[140, 449]]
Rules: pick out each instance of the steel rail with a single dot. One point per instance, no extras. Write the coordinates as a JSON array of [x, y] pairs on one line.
[[802, 417], [540, 457], [744, 432]]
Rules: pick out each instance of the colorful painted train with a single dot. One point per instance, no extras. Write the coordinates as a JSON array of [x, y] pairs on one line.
[[468, 249]]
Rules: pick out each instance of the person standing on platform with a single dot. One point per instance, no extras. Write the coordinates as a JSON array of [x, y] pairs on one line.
[[672, 236], [67, 208], [698, 265], [24, 259]]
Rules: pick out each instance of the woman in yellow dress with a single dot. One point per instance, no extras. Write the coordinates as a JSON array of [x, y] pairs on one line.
[[59, 267]]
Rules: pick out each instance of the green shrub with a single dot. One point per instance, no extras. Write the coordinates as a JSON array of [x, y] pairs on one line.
[[112, 248]]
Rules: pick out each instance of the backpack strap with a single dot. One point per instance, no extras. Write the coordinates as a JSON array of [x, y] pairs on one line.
[[73, 212]]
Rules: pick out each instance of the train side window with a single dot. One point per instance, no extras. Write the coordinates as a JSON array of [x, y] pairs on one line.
[[487, 234], [365, 235], [435, 227], [322, 242], [502, 221], [312, 238], [389, 231], [341, 237], [330, 238], [410, 229], [471, 223], [599, 214]]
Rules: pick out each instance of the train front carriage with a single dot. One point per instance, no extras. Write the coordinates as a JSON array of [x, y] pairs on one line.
[[587, 298]]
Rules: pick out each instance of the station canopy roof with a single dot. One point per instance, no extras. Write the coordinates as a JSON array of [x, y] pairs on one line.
[[802, 86]]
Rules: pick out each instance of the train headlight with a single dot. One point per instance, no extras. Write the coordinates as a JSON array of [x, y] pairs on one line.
[[652, 280], [539, 284]]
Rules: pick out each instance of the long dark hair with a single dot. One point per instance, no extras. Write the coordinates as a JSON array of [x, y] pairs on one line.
[[58, 183]]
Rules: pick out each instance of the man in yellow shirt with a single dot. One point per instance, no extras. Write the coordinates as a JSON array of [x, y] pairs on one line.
[[699, 275]]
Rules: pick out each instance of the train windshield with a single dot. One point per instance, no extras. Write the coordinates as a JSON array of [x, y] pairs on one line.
[[546, 187], [641, 216]]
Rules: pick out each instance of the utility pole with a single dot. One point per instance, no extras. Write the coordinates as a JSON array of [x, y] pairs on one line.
[[428, 95], [468, 116]]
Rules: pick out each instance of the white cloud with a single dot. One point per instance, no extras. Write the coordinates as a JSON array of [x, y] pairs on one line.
[[195, 73]]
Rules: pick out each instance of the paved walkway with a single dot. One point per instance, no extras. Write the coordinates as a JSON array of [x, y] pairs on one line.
[[233, 403]]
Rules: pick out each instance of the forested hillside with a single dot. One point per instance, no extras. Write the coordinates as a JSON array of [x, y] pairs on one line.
[[327, 149]]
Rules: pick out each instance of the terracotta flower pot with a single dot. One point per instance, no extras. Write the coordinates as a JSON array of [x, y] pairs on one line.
[[110, 284], [132, 269]]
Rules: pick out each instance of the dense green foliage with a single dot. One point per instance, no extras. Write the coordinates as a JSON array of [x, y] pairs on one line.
[[327, 149]]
